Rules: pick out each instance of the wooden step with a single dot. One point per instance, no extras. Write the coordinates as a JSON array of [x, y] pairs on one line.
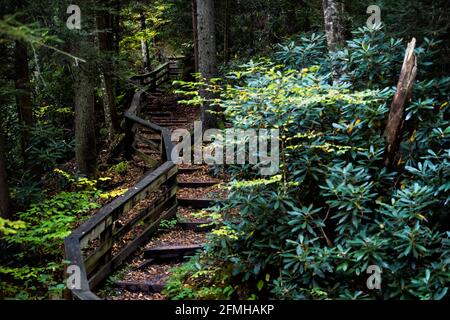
[[187, 170], [204, 226], [197, 184], [170, 120], [196, 203], [144, 286], [174, 120], [144, 264], [171, 252], [162, 113]]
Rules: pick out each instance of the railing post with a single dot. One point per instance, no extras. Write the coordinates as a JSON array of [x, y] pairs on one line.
[[166, 145], [129, 139]]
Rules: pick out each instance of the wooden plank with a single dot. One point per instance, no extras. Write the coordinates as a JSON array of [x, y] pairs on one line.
[[144, 123], [151, 187], [187, 170], [144, 286], [197, 184], [149, 160], [135, 103], [163, 113], [168, 145], [205, 226], [95, 232], [171, 252], [151, 73], [161, 75], [151, 143], [142, 188], [73, 255], [144, 264], [153, 209], [128, 250], [196, 203], [85, 295], [91, 262]]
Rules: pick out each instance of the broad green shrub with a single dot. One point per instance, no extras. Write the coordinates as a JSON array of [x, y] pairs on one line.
[[313, 230], [49, 146], [32, 264]]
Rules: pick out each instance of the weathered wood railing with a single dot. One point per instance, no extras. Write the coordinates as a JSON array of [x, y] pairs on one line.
[[160, 75], [94, 246]]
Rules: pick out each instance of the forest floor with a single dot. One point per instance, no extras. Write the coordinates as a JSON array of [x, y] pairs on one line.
[[142, 278]]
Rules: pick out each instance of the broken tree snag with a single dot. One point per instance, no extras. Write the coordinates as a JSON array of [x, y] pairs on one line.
[[405, 84]]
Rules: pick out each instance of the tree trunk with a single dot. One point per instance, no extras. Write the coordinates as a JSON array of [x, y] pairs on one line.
[[85, 148], [105, 46], [405, 84], [195, 33], [5, 207], [144, 44], [115, 23], [207, 56], [23, 97], [333, 28], [226, 35], [84, 91]]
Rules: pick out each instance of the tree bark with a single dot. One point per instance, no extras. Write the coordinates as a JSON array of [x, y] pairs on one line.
[[333, 27], [84, 76], [226, 35], [115, 23], [85, 142], [23, 97], [207, 56], [144, 44], [207, 52], [105, 46], [5, 207], [396, 119], [195, 33]]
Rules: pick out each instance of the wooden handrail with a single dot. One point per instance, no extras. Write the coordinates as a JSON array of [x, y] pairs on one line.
[[158, 76], [104, 227], [153, 73]]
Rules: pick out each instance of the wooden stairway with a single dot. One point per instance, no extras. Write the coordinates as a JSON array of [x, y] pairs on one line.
[[145, 276]]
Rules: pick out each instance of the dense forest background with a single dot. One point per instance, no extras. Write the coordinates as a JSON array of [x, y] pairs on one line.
[[63, 92]]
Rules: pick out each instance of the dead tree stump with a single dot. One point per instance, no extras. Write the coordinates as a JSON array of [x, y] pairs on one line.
[[393, 131]]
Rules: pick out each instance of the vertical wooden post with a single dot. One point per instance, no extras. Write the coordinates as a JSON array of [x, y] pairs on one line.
[[128, 140], [405, 84], [106, 237]]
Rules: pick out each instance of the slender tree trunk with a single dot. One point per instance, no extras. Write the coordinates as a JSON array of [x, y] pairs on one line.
[[226, 35], [23, 97], [335, 37], [333, 27], [195, 32], [106, 73], [144, 44], [207, 52], [207, 56], [5, 206], [115, 22]]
